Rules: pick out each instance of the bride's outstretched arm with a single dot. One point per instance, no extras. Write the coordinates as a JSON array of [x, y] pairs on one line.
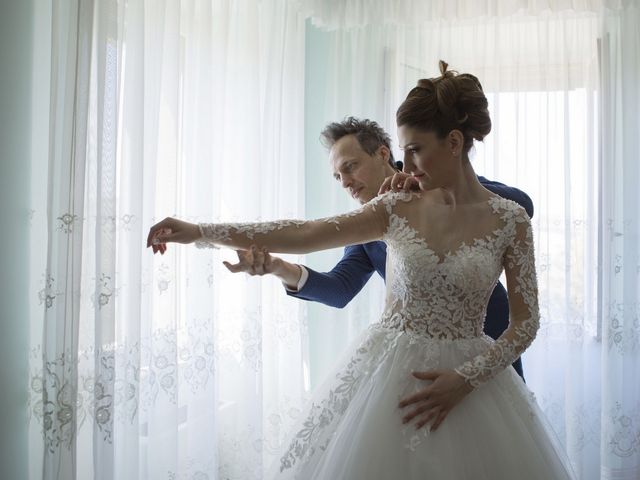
[[365, 224], [524, 317]]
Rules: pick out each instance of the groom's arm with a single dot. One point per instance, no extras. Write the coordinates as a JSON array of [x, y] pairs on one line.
[[335, 288], [339, 286]]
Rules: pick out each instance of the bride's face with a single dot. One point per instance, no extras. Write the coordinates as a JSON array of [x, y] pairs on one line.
[[429, 159]]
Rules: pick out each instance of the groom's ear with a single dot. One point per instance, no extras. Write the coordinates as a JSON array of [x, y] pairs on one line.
[[385, 153]]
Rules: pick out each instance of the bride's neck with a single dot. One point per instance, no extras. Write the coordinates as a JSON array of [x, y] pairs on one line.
[[464, 187]]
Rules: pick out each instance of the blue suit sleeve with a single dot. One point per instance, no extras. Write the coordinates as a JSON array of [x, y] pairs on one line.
[[510, 193], [338, 287]]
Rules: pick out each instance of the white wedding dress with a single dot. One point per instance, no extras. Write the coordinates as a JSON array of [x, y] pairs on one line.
[[442, 265]]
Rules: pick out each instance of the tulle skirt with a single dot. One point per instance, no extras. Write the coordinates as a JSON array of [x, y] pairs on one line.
[[352, 428]]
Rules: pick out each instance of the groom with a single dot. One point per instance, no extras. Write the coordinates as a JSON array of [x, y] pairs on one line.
[[361, 159]]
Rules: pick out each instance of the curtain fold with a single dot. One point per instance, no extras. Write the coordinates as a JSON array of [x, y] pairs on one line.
[[349, 14], [619, 264], [71, 54], [166, 366]]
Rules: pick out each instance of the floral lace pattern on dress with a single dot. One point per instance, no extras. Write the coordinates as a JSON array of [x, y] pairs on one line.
[[432, 297], [212, 232], [519, 265], [297, 236]]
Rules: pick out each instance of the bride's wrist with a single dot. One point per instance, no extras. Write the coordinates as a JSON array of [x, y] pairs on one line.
[[464, 383], [198, 233]]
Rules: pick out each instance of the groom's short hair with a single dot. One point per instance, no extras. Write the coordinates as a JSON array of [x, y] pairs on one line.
[[369, 134]]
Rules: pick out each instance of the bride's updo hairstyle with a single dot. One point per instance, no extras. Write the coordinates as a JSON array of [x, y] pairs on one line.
[[448, 102]]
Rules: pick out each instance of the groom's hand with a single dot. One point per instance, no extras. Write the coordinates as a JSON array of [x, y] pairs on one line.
[[434, 402], [254, 261], [258, 261]]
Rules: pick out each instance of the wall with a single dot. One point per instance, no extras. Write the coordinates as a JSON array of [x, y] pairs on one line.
[[16, 30]]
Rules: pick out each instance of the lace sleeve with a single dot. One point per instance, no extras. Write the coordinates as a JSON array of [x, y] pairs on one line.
[[365, 224], [524, 317]]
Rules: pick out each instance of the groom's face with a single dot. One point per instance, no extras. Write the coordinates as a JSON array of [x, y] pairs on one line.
[[358, 172]]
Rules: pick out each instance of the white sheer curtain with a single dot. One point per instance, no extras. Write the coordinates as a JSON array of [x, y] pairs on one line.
[[619, 261], [164, 367], [562, 135], [170, 367], [347, 14]]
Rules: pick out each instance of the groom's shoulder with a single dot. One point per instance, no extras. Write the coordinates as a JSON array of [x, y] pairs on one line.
[[510, 193], [369, 250], [364, 248], [364, 253]]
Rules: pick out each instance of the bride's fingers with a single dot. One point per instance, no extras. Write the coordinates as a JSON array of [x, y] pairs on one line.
[[421, 409], [170, 236], [397, 182], [157, 228], [410, 184], [157, 234], [151, 237], [386, 185], [427, 375], [439, 420], [416, 397], [433, 413]]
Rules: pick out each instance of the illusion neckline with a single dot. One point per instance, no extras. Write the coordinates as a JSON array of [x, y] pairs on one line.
[[492, 198], [470, 204], [465, 245]]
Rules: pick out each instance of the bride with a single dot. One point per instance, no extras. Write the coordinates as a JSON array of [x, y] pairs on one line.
[[423, 393]]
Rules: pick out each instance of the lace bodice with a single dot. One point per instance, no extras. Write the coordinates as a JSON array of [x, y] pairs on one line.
[[442, 265]]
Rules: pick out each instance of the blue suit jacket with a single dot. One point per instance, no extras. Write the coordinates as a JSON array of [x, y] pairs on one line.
[[338, 287]]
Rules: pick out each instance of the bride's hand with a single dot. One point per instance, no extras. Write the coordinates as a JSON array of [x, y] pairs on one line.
[[399, 182], [435, 401], [171, 230]]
